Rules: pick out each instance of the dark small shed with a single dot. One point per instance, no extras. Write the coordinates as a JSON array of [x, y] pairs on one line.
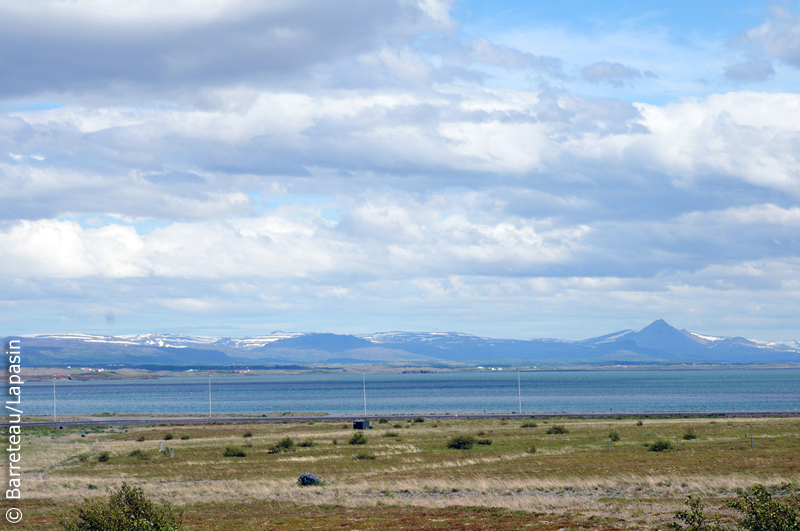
[[361, 425]]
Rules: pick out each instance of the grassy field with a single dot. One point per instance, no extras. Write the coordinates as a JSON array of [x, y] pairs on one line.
[[405, 477]]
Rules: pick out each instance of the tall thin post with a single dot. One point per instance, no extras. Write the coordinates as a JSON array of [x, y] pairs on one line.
[[209, 396], [519, 393], [365, 394], [54, 400]]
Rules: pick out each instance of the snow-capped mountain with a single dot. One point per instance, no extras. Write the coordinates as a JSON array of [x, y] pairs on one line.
[[657, 343]]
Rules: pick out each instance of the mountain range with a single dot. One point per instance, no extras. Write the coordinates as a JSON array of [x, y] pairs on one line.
[[658, 343]]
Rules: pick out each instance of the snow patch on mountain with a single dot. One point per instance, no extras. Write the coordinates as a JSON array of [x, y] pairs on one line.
[[707, 338], [791, 345], [249, 343]]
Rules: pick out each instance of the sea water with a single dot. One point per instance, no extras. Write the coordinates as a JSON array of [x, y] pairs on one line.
[[579, 391]]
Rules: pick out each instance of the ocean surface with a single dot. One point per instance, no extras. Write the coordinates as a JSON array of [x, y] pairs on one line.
[[541, 392]]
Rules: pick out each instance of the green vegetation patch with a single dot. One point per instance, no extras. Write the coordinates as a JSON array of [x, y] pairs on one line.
[[358, 438], [660, 446], [462, 442], [234, 451], [127, 509]]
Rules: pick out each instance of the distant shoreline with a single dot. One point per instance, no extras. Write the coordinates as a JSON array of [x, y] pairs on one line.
[[122, 419], [34, 374]]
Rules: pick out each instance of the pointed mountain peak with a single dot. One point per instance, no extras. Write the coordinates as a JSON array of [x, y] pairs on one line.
[[660, 335], [658, 324]]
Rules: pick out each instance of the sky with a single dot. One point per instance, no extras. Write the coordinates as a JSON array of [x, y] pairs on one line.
[[500, 168]]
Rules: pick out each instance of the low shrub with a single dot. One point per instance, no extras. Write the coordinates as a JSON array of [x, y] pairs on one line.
[[484, 442], [528, 425], [140, 439], [307, 479], [694, 519], [419, 419], [103, 457], [461, 442], [358, 438], [639, 423], [689, 434], [614, 436], [184, 437], [364, 456], [761, 512], [659, 446], [532, 449], [391, 434], [234, 451], [557, 429], [247, 434], [127, 509], [138, 454], [397, 426], [307, 444], [481, 433], [286, 444], [91, 486], [383, 421], [168, 437], [335, 441]]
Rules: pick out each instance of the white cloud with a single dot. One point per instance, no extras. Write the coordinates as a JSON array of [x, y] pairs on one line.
[[485, 52], [616, 74], [186, 304], [402, 63], [46, 248], [372, 162], [293, 242], [752, 70], [778, 37], [134, 49], [749, 136]]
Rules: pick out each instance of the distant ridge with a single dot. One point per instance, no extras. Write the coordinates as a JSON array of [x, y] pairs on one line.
[[657, 343]]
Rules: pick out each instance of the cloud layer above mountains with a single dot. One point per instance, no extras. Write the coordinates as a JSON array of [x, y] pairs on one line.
[[237, 167]]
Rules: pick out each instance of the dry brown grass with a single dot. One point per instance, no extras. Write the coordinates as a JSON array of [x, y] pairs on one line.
[[416, 469]]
